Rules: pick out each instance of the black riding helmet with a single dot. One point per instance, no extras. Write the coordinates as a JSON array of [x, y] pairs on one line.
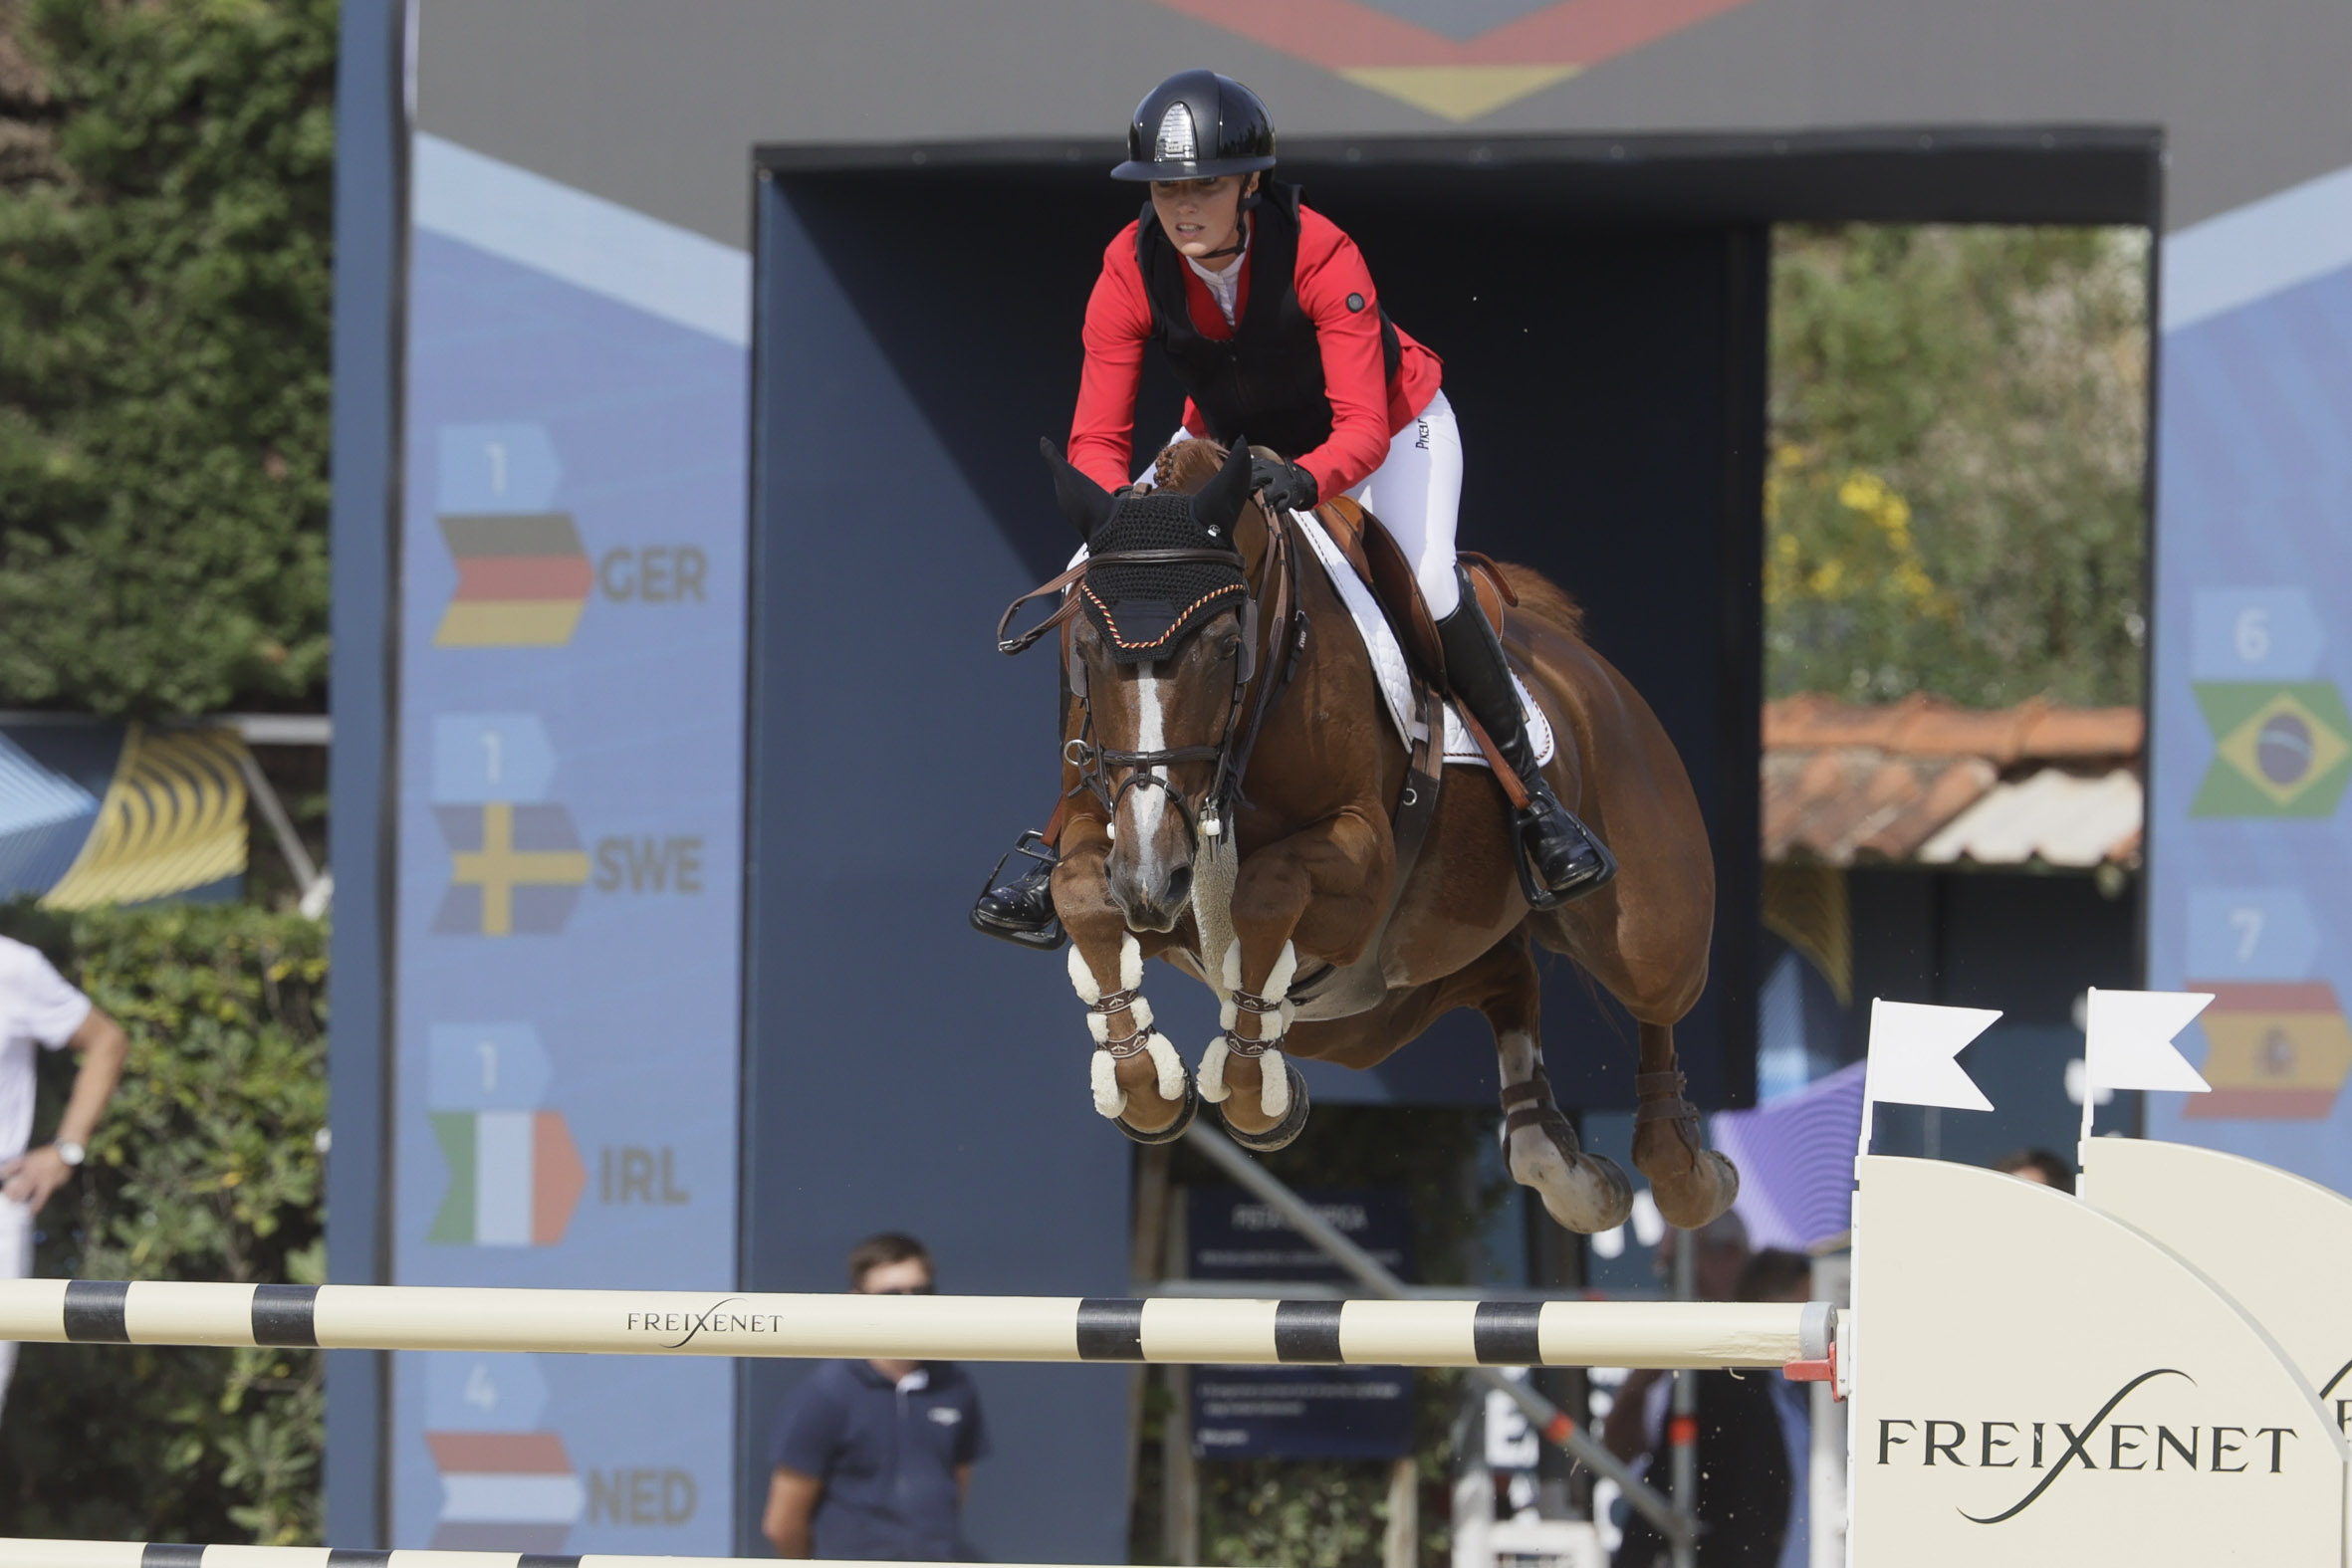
[[1197, 124]]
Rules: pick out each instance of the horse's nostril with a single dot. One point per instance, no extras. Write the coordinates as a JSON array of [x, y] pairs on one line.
[[1179, 886]]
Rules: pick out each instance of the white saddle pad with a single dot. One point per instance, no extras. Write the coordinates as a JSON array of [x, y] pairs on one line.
[[1388, 658]]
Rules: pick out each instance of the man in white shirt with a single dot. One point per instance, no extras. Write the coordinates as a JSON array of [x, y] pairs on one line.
[[39, 1007]]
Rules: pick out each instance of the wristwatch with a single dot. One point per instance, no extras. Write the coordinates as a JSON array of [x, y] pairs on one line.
[[71, 1152]]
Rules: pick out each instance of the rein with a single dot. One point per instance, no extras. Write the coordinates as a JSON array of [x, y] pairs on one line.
[[1233, 745]]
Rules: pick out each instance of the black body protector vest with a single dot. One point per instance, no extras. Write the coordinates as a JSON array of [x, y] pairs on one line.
[[1265, 381]]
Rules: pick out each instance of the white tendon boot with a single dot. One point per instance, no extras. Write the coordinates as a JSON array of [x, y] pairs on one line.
[[1109, 1099], [1275, 1085]]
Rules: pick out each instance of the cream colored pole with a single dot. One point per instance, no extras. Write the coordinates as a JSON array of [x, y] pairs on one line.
[[1200, 1330]]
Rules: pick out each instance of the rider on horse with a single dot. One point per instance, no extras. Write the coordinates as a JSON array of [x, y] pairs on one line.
[[1308, 364]]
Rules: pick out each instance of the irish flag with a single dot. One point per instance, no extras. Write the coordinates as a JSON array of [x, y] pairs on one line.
[[513, 1177], [504, 1491]]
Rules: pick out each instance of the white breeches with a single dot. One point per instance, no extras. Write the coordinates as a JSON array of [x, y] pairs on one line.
[[1417, 496]]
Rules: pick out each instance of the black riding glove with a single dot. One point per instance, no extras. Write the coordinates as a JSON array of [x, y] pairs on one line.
[[1285, 486]]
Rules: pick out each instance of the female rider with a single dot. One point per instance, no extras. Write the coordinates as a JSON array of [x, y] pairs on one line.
[[1268, 316]]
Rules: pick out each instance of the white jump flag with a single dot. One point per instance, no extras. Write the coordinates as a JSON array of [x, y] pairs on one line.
[[2128, 1043], [1912, 1046]]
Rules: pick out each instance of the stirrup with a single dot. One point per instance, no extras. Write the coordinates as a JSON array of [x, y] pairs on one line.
[[1045, 938], [1532, 888]]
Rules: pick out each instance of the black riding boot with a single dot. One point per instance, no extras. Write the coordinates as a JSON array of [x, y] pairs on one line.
[[1558, 857], [1020, 907]]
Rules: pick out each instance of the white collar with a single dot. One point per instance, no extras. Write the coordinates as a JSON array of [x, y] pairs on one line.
[[1225, 287]]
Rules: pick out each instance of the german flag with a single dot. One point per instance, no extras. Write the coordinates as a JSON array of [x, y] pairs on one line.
[[2279, 1052], [522, 579]]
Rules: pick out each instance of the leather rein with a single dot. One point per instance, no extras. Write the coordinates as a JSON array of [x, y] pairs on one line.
[[1231, 752]]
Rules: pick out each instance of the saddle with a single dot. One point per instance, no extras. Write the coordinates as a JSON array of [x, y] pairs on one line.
[[1383, 567], [1378, 560]]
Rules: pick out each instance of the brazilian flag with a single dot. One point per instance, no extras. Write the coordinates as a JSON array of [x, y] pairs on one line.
[[2281, 749]]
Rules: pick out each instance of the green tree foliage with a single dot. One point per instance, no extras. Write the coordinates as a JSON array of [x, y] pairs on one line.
[[1953, 495], [164, 203], [206, 1167]]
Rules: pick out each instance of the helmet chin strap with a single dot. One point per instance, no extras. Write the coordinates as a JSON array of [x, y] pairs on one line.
[[1240, 232]]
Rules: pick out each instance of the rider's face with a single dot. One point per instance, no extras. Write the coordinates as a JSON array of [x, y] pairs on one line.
[[1202, 215]]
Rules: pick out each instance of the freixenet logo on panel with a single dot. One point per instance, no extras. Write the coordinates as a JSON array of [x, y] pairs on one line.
[[2146, 1439]]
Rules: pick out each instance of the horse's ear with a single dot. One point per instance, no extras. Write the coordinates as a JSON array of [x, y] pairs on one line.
[[1217, 506], [1087, 503]]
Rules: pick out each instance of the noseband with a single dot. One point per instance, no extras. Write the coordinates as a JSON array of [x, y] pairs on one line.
[[1238, 739]]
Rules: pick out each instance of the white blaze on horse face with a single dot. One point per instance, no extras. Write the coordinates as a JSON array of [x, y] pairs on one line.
[[1148, 804]]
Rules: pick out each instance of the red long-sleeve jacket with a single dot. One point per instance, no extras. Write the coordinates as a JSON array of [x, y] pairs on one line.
[[1334, 288]]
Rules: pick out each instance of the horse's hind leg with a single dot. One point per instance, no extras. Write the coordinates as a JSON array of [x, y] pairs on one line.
[[1584, 1192], [1690, 1182]]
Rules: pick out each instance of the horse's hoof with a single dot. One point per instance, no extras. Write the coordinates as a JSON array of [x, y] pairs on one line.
[[1700, 1194], [1175, 1129], [1592, 1194], [1282, 1133]]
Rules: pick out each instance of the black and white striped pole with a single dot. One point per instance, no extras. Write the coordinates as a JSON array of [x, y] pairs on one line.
[[17, 1553], [922, 1328], [1554, 1425]]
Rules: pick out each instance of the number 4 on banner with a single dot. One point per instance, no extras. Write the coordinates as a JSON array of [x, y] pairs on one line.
[[2128, 1043]]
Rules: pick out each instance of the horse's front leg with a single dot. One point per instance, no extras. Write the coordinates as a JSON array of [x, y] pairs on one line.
[[1138, 1080], [1317, 895]]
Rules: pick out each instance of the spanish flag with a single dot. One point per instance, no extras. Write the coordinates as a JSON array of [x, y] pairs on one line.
[[522, 579], [2279, 1052]]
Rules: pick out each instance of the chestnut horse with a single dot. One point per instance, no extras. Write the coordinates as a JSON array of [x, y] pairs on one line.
[[1280, 896]]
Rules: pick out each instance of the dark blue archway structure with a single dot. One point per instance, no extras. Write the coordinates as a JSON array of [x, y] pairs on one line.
[[1599, 305]]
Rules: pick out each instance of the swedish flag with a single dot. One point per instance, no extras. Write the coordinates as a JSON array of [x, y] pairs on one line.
[[2281, 749]]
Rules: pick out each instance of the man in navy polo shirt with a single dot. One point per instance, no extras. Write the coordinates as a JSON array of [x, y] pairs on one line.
[[872, 1458]]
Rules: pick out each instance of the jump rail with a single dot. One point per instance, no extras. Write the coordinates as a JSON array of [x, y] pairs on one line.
[[162, 1554], [1790, 1335]]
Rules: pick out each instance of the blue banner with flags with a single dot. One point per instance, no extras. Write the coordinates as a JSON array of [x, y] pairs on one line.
[[566, 1087]]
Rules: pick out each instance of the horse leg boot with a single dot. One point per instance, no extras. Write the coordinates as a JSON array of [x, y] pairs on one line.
[[1280, 1093], [1690, 1182], [1558, 858], [1583, 1192], [1319, 894], [1133, 1061]]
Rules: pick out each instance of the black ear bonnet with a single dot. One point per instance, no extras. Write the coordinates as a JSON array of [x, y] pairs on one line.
[[1145, 610]]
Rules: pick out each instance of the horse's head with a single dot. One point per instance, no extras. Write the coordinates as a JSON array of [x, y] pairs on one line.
[[1162, 650]]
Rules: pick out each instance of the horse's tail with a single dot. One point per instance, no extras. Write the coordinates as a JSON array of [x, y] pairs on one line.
[[1543, 599]]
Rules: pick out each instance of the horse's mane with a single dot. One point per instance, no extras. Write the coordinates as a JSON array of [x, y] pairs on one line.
[[1185, 466]]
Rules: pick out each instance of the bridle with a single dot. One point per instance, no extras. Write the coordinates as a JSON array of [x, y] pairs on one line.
[[1237, 738]]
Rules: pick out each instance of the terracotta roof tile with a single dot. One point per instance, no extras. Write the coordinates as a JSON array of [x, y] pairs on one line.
[[1844, 784], [1920, 725]]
